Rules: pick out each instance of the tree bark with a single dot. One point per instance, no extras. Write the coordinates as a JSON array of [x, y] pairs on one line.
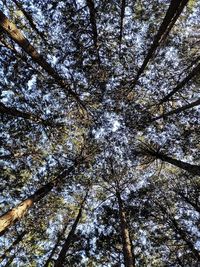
[[129, 260], [14, 215], [193, 169], [178, 110], [60, 236], [93, 23], [180, 85], [123, 5], [25, 115], [172, 14], [61, 257], [15, 34], [16, 242]]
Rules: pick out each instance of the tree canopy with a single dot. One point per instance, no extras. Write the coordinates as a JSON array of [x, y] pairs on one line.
[[100, 133]]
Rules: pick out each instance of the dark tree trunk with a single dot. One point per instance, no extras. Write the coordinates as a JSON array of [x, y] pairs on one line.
[[15, 34], [30, 20], [123, 5], [178, 110], [180, 85], [129, 260], [14, 215], [193, 169], [28, 116], [60, 237], [172, 14], [93, 23], [16, 242], [61, 257]]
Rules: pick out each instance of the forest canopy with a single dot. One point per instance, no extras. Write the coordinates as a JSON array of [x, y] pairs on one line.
[[100, 133]]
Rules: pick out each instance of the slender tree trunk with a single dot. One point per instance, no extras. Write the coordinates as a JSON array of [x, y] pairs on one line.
[[16, 242], [180, 85], [15, 34], [123, 5], [10, 261], [30, 20], [178, 110], [188, 200], [193, 169], [28, 116], [61, 257], [172, 14], [14, 215], [129, 260], [60, 237], [93, 23]]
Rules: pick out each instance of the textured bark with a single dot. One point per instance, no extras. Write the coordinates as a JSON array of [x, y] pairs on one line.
[[61, 257], [59, 238], [123, 5], [28, 116], [30, 19], [189, 201], [8, 264], [93, 23], [14, 215], [16, 242], [182, 233], [129, 260], [178, 110], [191, 75], [193, 169], [172, 14], [15, 34]]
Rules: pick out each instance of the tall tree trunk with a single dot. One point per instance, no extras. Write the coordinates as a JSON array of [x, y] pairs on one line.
[[59, 238], [61, 257], [15, 34], [188, 200], [14, 215], [172, 14], [30, 20], [8, 264], [16, 242], [28, 116], [193, 169], [129, 260], [180, 85], [123, 5], [178, 110], [93, 23]]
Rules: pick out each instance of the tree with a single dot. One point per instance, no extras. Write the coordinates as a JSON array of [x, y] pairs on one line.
[[101, 95]]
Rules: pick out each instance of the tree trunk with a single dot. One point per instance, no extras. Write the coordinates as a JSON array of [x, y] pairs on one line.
[[25, 115], [129, 260], [14, 215], [188, 200], [16, 242], [178, 110], [172, 14], [123, 5], [60, 236], [193, 169], [61, 257], [30, 20], [180, 85], [16, 35]]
